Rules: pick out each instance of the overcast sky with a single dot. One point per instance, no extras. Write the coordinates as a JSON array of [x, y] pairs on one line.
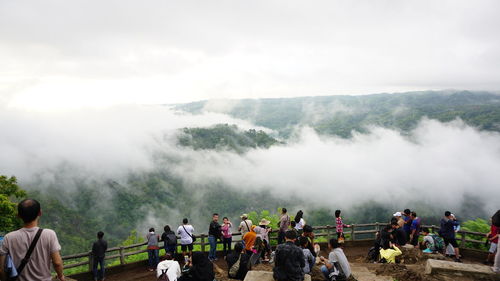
[[65, 54]]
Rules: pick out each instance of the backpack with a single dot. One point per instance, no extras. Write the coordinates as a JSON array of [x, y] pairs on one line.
[[438, 242], [163, 276], [233, 271], [373, 254], [495, 220], [171, 239], [336, 273]]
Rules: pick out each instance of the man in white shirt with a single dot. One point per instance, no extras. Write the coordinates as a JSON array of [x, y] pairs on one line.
[[245, 225], [186, 232], [169, 267]]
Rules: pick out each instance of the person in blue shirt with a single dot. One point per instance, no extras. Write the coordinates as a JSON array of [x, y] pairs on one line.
[[407, 225], [447, 231], [414, 229]]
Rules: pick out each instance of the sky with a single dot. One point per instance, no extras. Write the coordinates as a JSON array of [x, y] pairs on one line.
[[61, 55]]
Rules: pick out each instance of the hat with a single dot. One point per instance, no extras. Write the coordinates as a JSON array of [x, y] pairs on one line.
[[244, 216], [397, 214], [264, 222]]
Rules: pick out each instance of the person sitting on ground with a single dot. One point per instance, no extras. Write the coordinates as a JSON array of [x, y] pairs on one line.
[[199, 269], [414, 229], [289, 260], [431, 243], [492, 237], [245, 224], [339, 226], [398, 234], [240, 270], [249, 239], [169, 240], [168, 267], [447, 231], [336, 256], [299, 221], [308, 233], [98, 253], [389, 252], [309, 259], [186, 232], [15, 244]]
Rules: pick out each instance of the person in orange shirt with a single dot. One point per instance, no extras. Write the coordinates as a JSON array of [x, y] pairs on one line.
[[249, 239]]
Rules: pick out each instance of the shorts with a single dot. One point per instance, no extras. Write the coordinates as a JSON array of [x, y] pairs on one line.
[[451, 241], [187, 247], [493, 248]]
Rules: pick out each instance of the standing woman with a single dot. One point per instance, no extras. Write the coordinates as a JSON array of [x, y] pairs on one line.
[[339, 225], [227, 236], [153, 249], [299, 222]]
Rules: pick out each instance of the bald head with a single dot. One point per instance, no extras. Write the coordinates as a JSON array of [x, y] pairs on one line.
[[28, 210]]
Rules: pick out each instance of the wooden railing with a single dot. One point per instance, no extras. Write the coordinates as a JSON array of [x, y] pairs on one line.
[[357, 232]]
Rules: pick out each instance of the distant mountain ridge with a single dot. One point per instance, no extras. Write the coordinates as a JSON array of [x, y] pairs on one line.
[[340, 115]]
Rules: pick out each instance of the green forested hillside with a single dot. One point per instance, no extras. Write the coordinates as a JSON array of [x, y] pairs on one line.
[[340, 115]]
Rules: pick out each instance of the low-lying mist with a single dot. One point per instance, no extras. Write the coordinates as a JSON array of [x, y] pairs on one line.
[[437, 164]]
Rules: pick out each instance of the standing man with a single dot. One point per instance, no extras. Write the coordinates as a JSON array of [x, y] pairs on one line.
[[214, 233], [46, 248], [407, 224], [414, 229], [289, 260], [245, 225], [186, 232], [284, 224], [447, 231], [98, 253]]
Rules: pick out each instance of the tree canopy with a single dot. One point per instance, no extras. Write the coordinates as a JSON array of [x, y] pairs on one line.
[[10, 192]]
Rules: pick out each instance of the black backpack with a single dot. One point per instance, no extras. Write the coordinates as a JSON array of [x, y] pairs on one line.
[[495, 220], [171, 239], [163, 276]]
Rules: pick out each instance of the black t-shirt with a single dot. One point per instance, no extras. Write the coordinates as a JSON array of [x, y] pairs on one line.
[[99, 248], [214, 229], [399, 236]]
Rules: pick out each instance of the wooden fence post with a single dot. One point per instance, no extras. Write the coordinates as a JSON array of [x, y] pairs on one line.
[[122, 256], [91, 262], [328, 233], [352, 232], [202, 243], [462, 244]]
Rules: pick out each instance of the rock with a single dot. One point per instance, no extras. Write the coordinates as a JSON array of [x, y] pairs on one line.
[[459, 269], [410, 255], [265, 276]]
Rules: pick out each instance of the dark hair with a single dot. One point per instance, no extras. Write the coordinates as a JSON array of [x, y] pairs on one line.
[[334, 243], [100, 234], [447, 213], [215, 214], [167, 228], [169, 256], [293, 223], [388, 227], [185, 221], [283, 210], [291, 234], [407, 211], [225, 218], [238, 247], [337, 213], [394, 220], [413, 214], [298, 216], [303, 241], [385, 244], [307, 228], [425, 229], [28, 210], [151, 229]]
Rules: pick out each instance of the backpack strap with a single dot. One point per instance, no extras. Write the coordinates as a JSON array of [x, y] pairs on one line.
[[26, 258], [192, 238]]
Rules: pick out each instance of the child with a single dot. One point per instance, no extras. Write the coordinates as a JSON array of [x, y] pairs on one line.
[[310, 260], [340, 226]]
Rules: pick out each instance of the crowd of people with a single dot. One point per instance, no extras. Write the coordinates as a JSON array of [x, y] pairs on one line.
[[30, 251]]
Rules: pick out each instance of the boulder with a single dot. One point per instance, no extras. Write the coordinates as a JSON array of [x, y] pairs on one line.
[[459, 269]]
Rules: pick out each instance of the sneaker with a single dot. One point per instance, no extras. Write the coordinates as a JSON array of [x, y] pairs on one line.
[[458, 260]]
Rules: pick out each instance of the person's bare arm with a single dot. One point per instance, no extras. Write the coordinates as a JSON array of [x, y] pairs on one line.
[[58, 265], [2, 271]]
